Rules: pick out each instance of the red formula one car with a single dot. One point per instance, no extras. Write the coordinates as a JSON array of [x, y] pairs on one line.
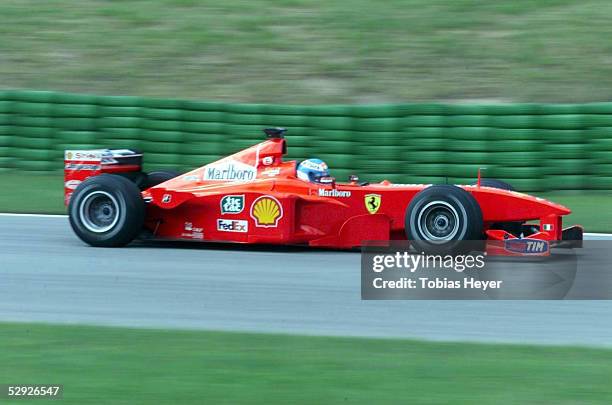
[[253, 196]]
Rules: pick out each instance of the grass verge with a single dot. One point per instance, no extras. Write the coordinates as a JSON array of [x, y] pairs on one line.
[[43, 193], [311, 51], [134, 366]]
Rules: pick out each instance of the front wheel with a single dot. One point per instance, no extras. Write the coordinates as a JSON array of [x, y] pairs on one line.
[[515, 228], [106, 210], [443, 219], [494, 183]]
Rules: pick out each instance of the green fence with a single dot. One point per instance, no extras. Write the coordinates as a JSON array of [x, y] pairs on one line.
[[536, 147]]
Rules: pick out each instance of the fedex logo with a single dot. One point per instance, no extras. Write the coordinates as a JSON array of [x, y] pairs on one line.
[[527, 246], [232, 225]]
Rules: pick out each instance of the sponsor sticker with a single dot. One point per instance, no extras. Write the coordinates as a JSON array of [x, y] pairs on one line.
[[268, 160], [271, 172], [192, 235], [166, 198], [309, 164], [72, 184], [266, 211], [192, 232], [231, 170], [372, 202], [189, 227], [526, 246], [107, 157], [232, 204], [323, 192], [78, 166], [232, 225], [83, 155]]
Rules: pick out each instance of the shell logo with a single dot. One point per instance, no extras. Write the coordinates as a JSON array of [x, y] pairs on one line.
[[266, 211]]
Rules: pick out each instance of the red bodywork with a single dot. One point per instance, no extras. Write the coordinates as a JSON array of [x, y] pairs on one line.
[[254, 196]]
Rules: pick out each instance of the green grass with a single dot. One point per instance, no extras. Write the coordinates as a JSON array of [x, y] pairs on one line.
[[593, 211], [32, 193], [134, 366], [43, 193], [311, 51]]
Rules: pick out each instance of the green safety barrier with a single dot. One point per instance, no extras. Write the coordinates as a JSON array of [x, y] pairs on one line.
[[535, 147]]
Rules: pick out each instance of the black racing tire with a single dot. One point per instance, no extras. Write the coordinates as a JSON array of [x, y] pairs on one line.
[[515, 228], [106, 211], [494, 183], [157, 177], [444, 219], [137, 178]]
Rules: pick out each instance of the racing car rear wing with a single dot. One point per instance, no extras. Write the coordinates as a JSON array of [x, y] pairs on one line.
[[79, 165]]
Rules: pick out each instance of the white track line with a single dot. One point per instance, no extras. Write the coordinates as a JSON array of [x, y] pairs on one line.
[[9, 214], [598, 235]]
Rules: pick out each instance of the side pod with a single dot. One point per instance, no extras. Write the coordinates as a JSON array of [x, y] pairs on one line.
[[356, 230]]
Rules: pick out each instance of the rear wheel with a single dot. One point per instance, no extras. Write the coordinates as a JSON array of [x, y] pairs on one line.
[[440, 219], [158, 177], [106, 210]]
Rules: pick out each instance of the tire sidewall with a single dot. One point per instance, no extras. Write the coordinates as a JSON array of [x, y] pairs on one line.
[[130, 210], [469, 219], [416, 211]]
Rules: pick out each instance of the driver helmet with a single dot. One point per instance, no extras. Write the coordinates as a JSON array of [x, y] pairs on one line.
[[312, 170]]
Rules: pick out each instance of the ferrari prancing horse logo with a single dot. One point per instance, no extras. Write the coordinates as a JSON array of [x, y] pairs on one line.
[[372, 203]]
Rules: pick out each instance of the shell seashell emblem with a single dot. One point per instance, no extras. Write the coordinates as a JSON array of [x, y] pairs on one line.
[[266, 211]]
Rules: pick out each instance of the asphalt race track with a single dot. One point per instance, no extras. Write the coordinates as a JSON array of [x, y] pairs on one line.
[[48, 275]]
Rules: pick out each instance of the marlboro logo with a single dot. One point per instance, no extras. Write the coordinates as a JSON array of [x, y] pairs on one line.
[[230, 171]]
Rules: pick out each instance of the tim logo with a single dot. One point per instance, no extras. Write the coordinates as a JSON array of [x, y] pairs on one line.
[[527, 246]]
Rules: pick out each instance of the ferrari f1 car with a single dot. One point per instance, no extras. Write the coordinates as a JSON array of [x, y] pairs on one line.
[[254, 196]]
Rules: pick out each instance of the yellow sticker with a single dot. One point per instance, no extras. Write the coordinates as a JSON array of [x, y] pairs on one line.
[[266, 211], [372, 203]]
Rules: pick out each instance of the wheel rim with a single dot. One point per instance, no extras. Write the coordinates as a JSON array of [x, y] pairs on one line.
[[438, 221], [99, 212]]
